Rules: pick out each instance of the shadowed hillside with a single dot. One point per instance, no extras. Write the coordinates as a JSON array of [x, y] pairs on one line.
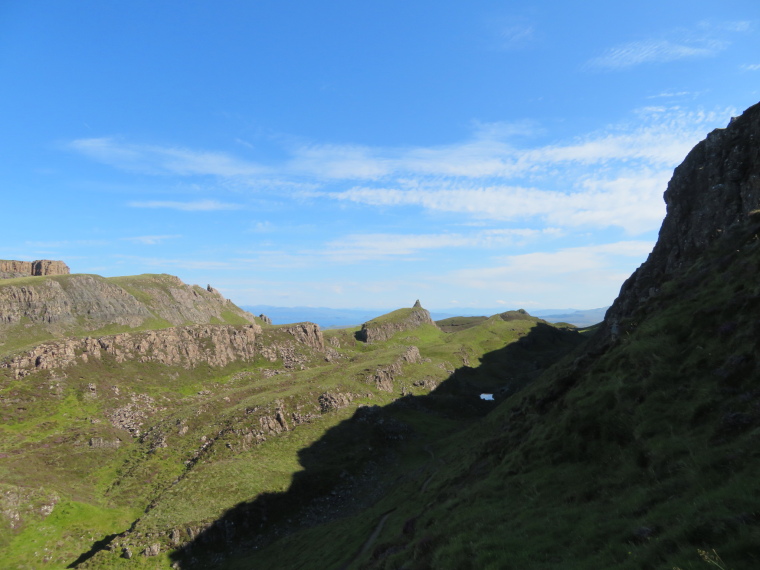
[[636, 452], [360, 461]]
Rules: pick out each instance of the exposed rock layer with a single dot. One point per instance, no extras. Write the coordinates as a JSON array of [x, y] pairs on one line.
[[385, 375], [51, 302], [66, 303], [10, 268], [216, 345], [716, 187], [385, 327], [308, 334]]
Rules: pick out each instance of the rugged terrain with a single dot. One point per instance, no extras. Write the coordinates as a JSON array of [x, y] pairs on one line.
[[164, 441], [10, 268], [639, 450], [119, 448], [38, 308]]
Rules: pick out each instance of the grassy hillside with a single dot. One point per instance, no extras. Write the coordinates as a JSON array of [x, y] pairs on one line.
[[632, 452], [639, 453], [204, 440]]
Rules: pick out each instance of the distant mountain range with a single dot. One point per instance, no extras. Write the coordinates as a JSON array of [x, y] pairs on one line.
[[328, 318]]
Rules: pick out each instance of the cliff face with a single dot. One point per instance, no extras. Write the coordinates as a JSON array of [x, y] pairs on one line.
[[716, 187], [79, 304], [10, 268], [52, 301], [215, 345], [383, 328]]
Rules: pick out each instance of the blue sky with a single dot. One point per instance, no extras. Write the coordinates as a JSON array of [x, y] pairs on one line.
[[361, 154]]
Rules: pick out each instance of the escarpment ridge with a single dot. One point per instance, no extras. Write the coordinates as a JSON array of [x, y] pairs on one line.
[[215, 345], [34, 309], [10, 268], [385, 326]]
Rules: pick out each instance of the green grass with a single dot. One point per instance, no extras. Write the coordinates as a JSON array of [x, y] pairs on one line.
[[57, 540], [637, 458], [223, 405], [396, 316], [454, 324]]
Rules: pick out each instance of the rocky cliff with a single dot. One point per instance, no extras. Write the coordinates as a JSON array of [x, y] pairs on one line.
[[81, 304], [52, 301], [188, 347], [215, 345], [384, 327], [716, 187], [10, 269]]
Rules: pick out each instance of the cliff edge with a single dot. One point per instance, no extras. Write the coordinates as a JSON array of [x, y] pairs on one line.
[[10, 269], [384, 327], [716, 187], [37, 309]]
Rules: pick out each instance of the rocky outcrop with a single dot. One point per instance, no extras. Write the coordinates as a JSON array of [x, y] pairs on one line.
[[308, 334], [383, 328], [330, 401], [11, 268], [266, 319], [385, 375], [131, 416], [215, 345], [51, 302], [716, 187], [293, 356], [215, 291], [88, 302], [19, 505]]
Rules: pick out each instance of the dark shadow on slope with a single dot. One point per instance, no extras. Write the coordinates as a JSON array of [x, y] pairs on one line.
[[505, 371], [97, 546], [342, 467]]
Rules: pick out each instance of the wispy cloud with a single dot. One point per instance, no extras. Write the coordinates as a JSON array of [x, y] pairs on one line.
[[155, 159], [67, 243], [150, 240], [510, 33], [751, 67], [199, 264], [631, 201], [706, 39], [614, 176], [673, 94], [660, 136], [361, 247], [197, 206], [534, 278], [340, 162], [516, 36], [652, 51], [260, 227]]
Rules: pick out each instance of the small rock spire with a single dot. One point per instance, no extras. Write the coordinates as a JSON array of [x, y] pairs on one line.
[[417, 305]]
